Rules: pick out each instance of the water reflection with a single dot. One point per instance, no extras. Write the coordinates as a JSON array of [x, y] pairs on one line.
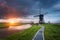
[[19, 27]]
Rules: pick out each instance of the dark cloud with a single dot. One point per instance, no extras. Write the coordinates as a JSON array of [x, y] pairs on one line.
[[6, 7], [23, 3], [47, 3], [22, 6], [57, 10]]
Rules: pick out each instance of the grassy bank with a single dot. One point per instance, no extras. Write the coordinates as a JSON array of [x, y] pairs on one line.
[[24, 35], [2, 25], [52, 32], [6, 25]]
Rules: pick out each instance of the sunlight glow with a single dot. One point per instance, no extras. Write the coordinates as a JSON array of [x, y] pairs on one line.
[[12, 22]]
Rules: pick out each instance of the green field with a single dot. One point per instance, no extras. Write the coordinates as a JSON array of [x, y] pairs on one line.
[[52, 32], [24, 35]]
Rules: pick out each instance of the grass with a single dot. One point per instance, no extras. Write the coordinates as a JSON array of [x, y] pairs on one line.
[[52, 32], [2, 25], [24, 35]]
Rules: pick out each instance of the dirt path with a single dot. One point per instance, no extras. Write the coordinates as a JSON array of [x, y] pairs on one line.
[[40, 34]]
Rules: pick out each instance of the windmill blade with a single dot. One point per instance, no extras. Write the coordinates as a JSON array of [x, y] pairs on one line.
[[45, 13], [36, 15]]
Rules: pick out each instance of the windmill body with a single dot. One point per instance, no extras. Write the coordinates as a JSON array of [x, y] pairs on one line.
[[41, 18]]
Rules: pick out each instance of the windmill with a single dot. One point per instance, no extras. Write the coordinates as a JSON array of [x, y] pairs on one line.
[[41, 16]]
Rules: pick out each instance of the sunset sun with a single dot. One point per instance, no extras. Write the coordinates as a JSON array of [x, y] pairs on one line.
[[11, 22]]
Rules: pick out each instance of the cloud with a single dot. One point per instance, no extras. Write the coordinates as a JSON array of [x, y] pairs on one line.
[[51, 19], [23, 3], [56, 8], [47, 3], [27, 7], [18, 5]]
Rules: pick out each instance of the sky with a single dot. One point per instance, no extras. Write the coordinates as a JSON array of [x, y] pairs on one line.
[[30, 8]]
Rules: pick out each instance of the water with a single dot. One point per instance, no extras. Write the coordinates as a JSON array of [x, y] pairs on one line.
[[20, 27], [4, 32]]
